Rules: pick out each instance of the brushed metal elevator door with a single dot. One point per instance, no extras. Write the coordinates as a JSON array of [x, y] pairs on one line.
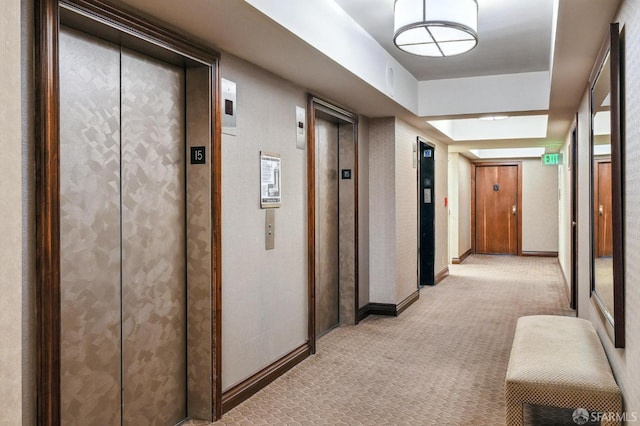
[[89, 230], [123, 274], [153, 242], [327, 227]]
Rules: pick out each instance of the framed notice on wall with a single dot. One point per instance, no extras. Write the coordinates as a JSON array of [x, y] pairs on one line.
[[270, 180]]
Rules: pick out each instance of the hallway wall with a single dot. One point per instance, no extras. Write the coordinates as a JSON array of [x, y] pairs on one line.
[[464, 205], [17, 227], [382, 210], [459, 188], [624, 362], [406, 189], [539, 207], [264, 293], [564, 214], [12, 220], [393, 209], [363, 210]]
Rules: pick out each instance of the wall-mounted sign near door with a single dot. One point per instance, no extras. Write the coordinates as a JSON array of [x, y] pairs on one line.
[[346, 173], [270, 184], [198, 155]]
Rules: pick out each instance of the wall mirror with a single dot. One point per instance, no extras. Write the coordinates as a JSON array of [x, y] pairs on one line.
[[607, 261]]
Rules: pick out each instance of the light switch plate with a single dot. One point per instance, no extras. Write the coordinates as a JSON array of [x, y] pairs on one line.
[[301, 128], [229, 107]]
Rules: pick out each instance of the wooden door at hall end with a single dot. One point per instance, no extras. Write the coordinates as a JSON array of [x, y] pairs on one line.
[[603, 210], [496, 202]]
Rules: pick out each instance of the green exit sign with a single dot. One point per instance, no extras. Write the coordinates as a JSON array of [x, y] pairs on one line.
[[552, 159]]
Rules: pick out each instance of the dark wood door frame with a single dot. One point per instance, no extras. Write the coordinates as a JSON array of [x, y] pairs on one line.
[[476, 164], [47, 293], [573, 164], [317, 104]]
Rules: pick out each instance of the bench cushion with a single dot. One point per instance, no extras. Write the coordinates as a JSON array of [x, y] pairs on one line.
[[559, 361]]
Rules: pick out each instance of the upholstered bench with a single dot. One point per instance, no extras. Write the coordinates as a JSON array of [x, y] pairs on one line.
[[559, 361]]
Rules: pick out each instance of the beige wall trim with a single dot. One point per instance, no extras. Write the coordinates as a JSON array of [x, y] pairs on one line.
[[462, 258], [540, 253], [442, 275], [387, 309], [245, 389]]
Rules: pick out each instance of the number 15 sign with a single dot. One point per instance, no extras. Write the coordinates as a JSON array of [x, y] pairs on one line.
[[198, 155]]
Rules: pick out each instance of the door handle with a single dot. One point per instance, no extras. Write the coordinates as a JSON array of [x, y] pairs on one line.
[[513, 209], [600, 209]]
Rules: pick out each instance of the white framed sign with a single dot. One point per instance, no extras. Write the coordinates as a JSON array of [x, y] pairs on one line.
[[270, 180]]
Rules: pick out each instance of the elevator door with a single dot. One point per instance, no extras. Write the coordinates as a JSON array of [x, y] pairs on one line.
[[426, 200], [327, 227], [122, 219]]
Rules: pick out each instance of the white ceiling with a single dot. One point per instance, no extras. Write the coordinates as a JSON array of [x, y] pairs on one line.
[[515, 43], [513, 37]]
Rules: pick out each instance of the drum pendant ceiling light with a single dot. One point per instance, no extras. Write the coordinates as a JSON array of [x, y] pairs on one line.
[[435, 27]]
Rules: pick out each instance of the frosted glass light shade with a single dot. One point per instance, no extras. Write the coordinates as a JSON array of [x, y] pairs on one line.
[[435, 27]]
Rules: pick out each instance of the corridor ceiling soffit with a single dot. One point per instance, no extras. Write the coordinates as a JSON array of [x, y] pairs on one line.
[[515, 127], [515, 48], [224, 25]]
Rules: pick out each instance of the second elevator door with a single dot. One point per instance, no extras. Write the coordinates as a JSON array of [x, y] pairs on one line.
[[123, 275], [327, 227]]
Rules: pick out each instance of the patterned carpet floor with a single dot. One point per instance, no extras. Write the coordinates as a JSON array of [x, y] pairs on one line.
[[441, 362]]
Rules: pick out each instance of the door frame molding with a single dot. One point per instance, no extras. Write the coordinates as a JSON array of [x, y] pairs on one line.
[[314, 104], [47, 169], [476, 164], [420, 140], [573, 219]]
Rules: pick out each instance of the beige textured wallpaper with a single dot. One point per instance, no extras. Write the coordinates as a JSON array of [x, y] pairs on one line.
[[363, 210], [564, 213], [11, 223], [382, 211], [464, 205], [264, 293], [539, 206], [625, 362], [406, 205], [394, 207], [459, 205], [28, 218], [453, 186]]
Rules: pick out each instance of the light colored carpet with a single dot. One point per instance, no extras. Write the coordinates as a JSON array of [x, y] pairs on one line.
[[441, 362]]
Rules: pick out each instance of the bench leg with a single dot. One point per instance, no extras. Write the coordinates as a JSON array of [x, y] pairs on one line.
[[514, 414], [611, 422]]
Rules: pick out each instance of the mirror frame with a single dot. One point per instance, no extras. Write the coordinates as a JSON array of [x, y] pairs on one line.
[[614, 47]]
